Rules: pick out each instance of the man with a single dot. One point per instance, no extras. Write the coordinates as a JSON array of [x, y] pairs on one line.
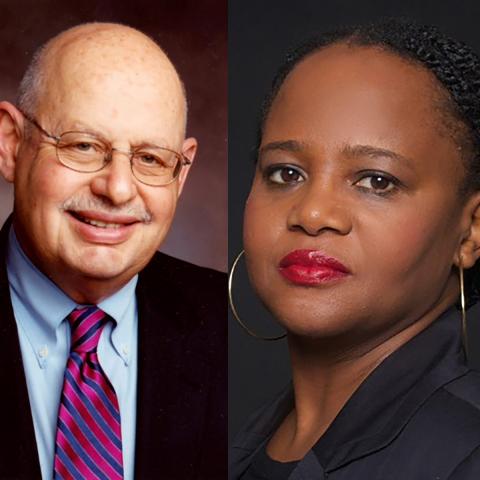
[[97, 153]]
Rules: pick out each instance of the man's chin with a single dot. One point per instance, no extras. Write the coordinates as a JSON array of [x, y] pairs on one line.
[[104, 262], [90, 282]]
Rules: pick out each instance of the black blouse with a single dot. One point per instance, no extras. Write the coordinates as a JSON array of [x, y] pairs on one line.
[[263, 467], [415, 417]]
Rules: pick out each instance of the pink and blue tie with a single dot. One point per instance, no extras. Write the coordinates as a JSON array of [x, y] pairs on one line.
[[89, 441]]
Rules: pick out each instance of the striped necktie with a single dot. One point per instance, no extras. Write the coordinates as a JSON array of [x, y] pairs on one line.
[[88, 441]]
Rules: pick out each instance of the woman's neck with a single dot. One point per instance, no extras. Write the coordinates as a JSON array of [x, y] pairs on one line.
[[326, 372]]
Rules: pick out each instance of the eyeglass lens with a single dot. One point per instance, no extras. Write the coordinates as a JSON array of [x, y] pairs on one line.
[[86, 153]]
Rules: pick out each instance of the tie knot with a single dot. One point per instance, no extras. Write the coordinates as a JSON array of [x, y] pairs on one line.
[[86, 325]]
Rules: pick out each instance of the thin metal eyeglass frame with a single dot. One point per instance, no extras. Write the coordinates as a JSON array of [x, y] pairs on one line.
[[108, 154]]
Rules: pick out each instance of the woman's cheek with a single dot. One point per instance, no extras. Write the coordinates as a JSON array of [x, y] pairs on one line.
[[257, 232], [409, 241], [260, 236]]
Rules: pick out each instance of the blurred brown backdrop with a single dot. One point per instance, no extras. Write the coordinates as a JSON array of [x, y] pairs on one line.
[[194, 35]]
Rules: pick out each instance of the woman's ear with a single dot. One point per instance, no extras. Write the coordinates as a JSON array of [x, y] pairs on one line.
[[469, 249], [11, 122]]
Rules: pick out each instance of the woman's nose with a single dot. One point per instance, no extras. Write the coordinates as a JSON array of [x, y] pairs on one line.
[[317, 208]]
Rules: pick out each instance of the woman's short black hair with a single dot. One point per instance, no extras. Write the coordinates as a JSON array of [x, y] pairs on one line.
[[455, 65]]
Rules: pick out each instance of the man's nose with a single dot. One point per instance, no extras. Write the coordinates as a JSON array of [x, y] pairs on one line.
[[116, 181], [319, 207]]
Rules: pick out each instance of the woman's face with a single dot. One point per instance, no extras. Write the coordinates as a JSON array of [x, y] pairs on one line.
[[353, 220]]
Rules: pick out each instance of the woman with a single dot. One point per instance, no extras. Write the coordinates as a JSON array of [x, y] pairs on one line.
[[364, 211]]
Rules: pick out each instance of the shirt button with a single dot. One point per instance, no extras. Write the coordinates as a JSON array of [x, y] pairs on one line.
[[43, 352], [125, 349]]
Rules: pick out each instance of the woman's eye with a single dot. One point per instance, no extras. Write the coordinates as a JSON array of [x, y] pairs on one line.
[[377, 183], [285, 175]]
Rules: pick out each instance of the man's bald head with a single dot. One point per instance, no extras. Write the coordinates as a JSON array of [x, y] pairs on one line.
[[92, 53]]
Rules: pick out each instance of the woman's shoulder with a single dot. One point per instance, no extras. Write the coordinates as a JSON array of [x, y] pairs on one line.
[[455, 407], [441, 435], [445, 432], [256, 430], [465, 391]]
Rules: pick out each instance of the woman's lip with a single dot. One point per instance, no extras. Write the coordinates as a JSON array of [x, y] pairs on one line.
[[101, 235], [311, 267]]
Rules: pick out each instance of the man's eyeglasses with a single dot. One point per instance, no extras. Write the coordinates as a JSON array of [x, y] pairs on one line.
[[88, 153]]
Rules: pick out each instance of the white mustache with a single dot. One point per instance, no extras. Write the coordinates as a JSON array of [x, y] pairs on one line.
[[99, 205]]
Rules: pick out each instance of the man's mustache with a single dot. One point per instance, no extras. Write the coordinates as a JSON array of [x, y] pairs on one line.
[[77, 204]]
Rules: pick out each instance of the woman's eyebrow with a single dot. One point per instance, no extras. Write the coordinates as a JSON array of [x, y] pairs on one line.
[[284, 145], [348, 150], [372, 151]]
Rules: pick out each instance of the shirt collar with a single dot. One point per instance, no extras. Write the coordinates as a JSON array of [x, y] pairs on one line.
[[43, 306], [121, 306]]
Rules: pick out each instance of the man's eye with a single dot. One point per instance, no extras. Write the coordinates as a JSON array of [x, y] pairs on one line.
[[377, 183], [285, 175], [80, 147], [149, 159], [84, 147]]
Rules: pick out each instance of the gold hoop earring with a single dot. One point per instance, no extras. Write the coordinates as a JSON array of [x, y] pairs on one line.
[[462, 304], [234, 310]]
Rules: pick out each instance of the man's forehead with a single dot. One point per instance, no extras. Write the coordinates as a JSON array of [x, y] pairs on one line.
[[111, 36], [105, 47], [111, 66]]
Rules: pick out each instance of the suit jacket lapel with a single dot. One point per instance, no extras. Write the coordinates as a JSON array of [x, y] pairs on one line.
[[172, 397], [18, 450]]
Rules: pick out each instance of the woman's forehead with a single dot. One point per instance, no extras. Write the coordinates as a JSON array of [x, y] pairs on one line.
[[341, 88], [342, 97], [344, 69]]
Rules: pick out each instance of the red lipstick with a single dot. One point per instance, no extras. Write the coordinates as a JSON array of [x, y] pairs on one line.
[[311, 267]]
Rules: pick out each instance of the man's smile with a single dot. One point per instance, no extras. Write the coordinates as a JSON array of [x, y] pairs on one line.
[[104, 220], [103, 228]]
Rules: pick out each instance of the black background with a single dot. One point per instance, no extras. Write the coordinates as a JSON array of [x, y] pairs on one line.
[[259, 35]]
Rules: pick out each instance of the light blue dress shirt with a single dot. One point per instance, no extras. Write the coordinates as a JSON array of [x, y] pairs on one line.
[[40, 309]]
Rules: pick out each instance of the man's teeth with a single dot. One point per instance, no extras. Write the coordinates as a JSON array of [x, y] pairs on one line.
[[97, 223]]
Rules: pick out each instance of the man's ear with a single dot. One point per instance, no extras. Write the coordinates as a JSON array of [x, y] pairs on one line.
[[469, 249], [11, 122], [189, 149]]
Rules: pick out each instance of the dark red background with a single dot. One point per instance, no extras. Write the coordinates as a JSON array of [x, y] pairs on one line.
[[194, 35]]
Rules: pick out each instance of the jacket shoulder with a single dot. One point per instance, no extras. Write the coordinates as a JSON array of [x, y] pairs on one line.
[[445, 430], [164, 268], [465, 391], [189, 297], [453, 411]]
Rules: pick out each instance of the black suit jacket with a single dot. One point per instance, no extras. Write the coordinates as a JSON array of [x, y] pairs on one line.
[[181, 392]]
